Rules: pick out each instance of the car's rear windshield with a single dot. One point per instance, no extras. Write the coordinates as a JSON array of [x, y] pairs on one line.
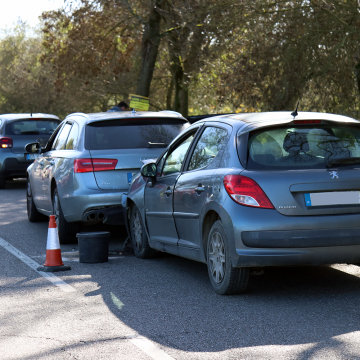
[[303, 147], [132, 134], [31, 127]]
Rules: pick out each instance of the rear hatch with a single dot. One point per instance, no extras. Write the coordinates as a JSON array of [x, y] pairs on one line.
[[307, 169], [29, 130], [119, 147]]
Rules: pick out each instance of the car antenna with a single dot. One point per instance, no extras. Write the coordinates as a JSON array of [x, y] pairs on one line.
[[295, 113], [133, 111]]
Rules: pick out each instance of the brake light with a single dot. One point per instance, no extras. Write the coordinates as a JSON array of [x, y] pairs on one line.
[[300, 122], [6, 142], [90, 165], [246, 191]]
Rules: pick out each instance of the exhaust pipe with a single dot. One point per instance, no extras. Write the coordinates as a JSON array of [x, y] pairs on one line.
[[101, 216], [92, 216]]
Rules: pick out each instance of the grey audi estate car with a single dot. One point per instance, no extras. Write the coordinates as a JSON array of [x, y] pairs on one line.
[[17, 130], [87, 165], [252, 190]]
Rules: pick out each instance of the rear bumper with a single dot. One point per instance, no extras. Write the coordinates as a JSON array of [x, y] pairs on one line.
[[78, 207], [301, 238], [303, 256], [11, 167], [264, 237]]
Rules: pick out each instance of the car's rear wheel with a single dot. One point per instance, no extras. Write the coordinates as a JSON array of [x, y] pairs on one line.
[[66, 230], [2, 182], [139, 239], [32, 213], [225, 279]]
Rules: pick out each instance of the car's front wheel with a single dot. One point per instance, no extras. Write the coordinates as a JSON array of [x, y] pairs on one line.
[[225, 279], [139, 239], [32, 213], [66, 230]]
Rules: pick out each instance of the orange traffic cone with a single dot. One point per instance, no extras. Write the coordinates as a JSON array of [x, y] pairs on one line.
[[53, 261]]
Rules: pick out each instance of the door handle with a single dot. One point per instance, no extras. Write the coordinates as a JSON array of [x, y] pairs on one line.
[[199, 189], [52, 162], [168, 191]]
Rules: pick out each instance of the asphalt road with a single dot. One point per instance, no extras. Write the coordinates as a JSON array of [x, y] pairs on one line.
[[164, 308]]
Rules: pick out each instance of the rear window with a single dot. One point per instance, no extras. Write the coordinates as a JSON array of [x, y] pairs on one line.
[[132, 134], [302, 147], [31, 127]]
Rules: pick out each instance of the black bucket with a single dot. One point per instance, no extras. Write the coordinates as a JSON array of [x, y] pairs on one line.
[[93, 246]]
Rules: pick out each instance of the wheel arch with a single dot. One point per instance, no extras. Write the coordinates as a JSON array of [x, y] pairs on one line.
[[209, 219]]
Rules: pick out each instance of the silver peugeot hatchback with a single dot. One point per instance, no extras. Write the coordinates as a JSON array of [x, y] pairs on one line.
[[252, 190], [88, 163], [17, 130]]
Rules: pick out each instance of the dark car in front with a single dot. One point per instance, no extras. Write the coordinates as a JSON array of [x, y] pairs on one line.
[[16, 131]]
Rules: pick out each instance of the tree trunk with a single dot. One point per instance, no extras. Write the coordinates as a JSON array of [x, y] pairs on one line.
[[357, 75], [149, 49]]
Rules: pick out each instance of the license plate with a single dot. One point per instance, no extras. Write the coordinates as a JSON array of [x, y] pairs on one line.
[[31, 156], [333, 198], [129, 177]]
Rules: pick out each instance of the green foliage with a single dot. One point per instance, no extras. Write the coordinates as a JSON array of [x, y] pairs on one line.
[[216, 56]]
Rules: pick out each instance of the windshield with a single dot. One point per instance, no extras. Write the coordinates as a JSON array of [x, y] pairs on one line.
[[303, 147], [31, 127], [132, 134]]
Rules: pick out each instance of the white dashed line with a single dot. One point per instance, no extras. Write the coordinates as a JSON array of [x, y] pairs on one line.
[[34, 265]]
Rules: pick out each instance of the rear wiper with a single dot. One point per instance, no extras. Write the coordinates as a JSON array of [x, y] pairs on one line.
[[343, 161], [156, 145]]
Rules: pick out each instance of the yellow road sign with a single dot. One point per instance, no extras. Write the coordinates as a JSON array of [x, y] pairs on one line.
[[139, 102]]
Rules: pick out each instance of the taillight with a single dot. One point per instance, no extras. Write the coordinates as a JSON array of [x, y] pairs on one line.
[[6, 142], [104, 164], [246, 191], [83, 165], [89, 165]]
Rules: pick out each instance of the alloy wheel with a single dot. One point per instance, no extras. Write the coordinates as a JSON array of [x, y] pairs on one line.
[[217, 257]]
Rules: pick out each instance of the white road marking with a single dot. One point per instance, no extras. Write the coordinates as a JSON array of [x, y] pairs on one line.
[[149, 348], [34, 265]]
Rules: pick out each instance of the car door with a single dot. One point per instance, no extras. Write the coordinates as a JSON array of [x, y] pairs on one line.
[[46, 166], [159, 198], [194, 185]]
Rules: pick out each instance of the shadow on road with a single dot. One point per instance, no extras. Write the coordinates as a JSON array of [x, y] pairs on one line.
[[170, 301]]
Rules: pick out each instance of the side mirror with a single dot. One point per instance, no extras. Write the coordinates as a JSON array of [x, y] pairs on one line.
[[149, 170], [33, 148]]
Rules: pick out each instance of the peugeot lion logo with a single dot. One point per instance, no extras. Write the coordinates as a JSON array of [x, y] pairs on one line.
[[334, 174]]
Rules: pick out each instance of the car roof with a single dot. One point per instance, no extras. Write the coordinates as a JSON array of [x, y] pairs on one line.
[[10, 117], [117, 115], [250, 121]]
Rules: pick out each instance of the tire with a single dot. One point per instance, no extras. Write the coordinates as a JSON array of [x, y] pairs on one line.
[[2, 183], [139, 239], [225, 279], [32, 213], [67, 230]]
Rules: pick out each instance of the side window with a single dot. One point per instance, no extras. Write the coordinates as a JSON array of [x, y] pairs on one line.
[[60, 141], [73, 137], [207, 147], [175, 159]]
